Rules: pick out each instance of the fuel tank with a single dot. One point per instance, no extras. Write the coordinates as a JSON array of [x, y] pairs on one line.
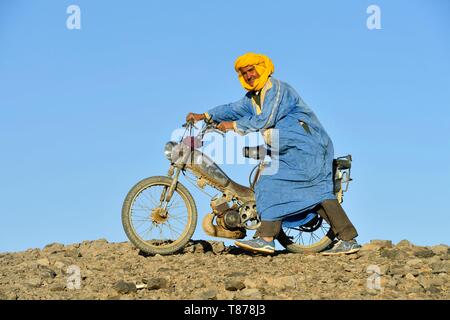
[[203, 165]]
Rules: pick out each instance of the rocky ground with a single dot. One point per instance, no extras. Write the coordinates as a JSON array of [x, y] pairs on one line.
[[209, 270]]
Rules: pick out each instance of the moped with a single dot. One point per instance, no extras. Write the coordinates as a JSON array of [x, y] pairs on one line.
[[159, 214]]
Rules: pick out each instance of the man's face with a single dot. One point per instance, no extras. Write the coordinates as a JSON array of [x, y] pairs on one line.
[[249, 73]]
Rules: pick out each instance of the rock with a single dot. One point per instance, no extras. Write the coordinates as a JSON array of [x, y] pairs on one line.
[[141, 286], [434, 290], [397, 270], [100, 242], [33, 282], [234, 285], [57, 287], [404, 244], [215, 272], [188, 249], [218, 247], [43, 262], [124, 287], [53, 247], [199, 285], [74, 253], [287, 282], [410, 286], [254, 283], [440, 249], [48, 273], [427, 282], [198, 248], [409, 276], [440, 267], [390, 253], [208, 294], [424, 253], [414, 263], [156, 283], [377, 245], [252, 294], [382, 243]]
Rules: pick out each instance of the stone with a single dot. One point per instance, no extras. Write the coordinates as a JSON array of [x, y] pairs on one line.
[[217, 274], [376, 245], [48, 273], [254, 283], [234, 285], [218, 247], [74, 253], [434, 290], [404, 244], [286, 282], [208, 294], [440, 267], [414, 263], [124, 287], [397, 270], [252, 294], [382, 243], [390, 253], [424, 253], [33, 282], [43, 262], [57, 287], [427, 282], [440, 249], [156, 283], [54, 246], [409, 276]]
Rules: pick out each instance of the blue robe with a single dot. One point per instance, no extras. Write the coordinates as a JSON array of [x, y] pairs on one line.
[[304, 176]]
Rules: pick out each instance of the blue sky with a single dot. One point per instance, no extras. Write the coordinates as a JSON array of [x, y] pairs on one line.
[[84, 114]]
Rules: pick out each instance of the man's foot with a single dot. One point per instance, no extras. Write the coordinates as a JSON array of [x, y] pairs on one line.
[[257, 245], [342, 247]]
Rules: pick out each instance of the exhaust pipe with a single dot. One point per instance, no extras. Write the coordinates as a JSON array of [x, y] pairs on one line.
[[218, 231]]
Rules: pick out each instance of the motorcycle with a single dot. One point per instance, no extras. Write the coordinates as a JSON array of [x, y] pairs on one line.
[[159, 214]]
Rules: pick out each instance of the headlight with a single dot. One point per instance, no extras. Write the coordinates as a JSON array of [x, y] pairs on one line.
[[168, 149]]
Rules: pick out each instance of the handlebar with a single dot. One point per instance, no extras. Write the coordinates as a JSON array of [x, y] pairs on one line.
[[208, 126]]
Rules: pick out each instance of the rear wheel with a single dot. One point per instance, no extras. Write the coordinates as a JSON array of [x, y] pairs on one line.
[[153, 225], [313, 237]]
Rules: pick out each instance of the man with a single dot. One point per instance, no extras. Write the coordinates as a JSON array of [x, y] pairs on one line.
[[304, 179]]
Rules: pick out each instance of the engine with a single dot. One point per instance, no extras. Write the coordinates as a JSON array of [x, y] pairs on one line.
[[232, 219], [239, 216], [230, 222]]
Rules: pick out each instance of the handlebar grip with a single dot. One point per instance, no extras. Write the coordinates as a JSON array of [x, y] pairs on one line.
[[257, 153], [344, 163]]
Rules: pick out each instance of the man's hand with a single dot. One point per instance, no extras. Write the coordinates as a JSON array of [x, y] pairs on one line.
[[194, 117], [225, 126]]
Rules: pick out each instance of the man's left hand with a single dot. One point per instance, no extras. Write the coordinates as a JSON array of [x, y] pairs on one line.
[[225, 126]]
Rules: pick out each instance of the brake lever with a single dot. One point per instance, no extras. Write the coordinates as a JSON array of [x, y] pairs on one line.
[[189, 124], [212, 129]]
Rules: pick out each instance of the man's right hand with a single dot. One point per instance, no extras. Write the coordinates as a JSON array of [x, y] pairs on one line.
[[194, 117]]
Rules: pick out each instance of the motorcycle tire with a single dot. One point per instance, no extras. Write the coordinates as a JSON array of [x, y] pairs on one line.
[[148, 246], [315, 247]]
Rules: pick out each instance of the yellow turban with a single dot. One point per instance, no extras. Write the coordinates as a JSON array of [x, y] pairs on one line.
[[263, 66]]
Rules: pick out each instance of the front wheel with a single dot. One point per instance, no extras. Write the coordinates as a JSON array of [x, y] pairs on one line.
[[314, 237], [153, 225]]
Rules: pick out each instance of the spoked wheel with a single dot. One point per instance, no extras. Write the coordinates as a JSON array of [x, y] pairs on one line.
[[153, 225], [313, 237]]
